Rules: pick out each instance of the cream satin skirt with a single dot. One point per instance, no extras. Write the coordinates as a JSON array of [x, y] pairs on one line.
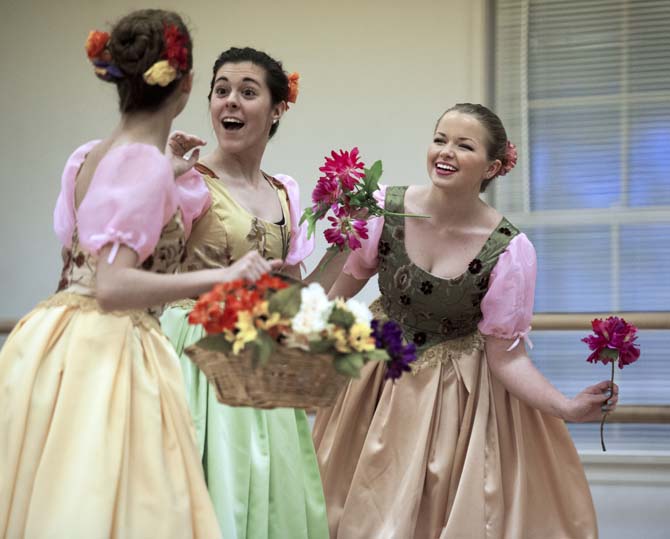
[[96, 439]]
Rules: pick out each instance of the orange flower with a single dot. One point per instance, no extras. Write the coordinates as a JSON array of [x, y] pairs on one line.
[[229, 286], [268, 282], [293, 87], [96, 43]]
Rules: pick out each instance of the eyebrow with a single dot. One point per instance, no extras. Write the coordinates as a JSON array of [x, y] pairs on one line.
[[245, 79], [459, 138]]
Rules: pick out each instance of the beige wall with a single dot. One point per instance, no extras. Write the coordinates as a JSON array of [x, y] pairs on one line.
[[374, 74]]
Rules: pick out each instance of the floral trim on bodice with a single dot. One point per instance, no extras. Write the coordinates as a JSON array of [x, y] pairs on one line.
[[227, 231], [432, 310], [79, 267]]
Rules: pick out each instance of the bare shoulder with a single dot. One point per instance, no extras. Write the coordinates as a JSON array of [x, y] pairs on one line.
[[414, 197]]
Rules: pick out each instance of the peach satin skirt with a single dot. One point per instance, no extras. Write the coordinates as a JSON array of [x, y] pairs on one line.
[[448, 453]]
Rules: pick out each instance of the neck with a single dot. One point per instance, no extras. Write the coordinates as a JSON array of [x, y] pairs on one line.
[[244, 167], [452, 207], [146, 127]]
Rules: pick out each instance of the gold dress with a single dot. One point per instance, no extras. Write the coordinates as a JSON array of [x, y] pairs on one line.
[[260, 465], [96, 439]]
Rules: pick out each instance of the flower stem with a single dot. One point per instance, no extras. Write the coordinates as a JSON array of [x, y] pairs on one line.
[[602, 421], [396, 214]]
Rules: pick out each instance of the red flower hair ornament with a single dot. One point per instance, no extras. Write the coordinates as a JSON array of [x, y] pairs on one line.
[[96, 50]]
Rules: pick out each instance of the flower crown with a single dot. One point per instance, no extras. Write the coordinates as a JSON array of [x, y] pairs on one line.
[[174, 60], [510, 159]]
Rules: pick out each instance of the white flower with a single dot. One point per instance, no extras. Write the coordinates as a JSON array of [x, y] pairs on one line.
[[315, 309], [360, 311]]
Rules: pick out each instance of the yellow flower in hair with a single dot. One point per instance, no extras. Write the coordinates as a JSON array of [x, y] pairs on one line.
[[161, 73], [246, 331], [360, 338]]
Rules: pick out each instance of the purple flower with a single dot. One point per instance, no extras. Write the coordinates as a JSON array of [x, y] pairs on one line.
[[389, 337]]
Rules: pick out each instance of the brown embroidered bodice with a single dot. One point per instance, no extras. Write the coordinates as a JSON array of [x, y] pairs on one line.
[[79, 267]]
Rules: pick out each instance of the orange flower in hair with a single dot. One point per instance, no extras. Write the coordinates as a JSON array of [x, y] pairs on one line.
[[293, 87], [96, 43]]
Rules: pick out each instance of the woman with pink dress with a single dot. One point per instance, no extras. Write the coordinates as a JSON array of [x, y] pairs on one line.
[[96, 438]]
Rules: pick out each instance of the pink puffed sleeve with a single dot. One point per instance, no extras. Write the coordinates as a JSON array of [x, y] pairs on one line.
[[194, 198], [362, 263], [64, 210], [300, 246], [131, 197], [508, 304]]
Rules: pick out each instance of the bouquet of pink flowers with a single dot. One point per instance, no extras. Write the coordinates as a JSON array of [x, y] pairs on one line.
[[613, 342], [346, 191]]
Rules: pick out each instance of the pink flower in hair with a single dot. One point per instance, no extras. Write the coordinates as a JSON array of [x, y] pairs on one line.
[[510, 159]]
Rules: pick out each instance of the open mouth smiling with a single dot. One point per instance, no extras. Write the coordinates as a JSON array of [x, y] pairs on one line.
[[232, 124]]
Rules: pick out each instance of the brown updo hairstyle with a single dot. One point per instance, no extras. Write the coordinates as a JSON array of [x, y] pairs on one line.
[[275, 77], [496, 145], [135, 44]]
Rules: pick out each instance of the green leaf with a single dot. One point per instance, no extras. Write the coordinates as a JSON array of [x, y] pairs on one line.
[[341, 317], [319, 347], [261, 349], [372, 176], [376, 355], [311, 227], [350, 364], [305, 215], [217, 343], [609, 355], [286, 302]]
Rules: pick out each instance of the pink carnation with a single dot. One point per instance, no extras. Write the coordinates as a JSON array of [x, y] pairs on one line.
[[510, 159], [346, 231], [326, 192], [344, 166], [613, 338]]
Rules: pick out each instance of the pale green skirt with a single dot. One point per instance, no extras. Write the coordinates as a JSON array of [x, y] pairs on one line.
[[260, 465]]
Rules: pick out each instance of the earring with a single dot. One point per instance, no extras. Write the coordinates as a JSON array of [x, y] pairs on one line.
[[274, 121]]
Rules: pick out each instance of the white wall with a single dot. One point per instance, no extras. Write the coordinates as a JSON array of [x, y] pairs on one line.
[[631, 493], [374, 74]]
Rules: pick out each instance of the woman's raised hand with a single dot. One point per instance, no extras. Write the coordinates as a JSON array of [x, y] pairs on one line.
[[178, 145]]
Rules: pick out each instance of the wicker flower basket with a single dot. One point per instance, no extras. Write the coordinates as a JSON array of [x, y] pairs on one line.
[[292, 378]]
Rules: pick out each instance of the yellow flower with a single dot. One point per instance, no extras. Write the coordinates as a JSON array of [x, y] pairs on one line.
[[246, 331], [360, 338], [161, 73], [260, 309], [341, 344], [271, 321]]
